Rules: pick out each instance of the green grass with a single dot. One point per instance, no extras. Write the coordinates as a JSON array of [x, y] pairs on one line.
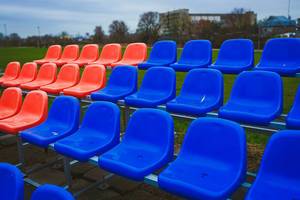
[[290, 84]]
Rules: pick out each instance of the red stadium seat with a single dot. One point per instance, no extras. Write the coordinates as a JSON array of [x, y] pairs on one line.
[[110, 53], [11, 72], [134, 54], [68, 76], [93, 78], [27, 74], [70, 53], [89, 53], [33, 112], [53, 53], [46, 75], [10, 102]]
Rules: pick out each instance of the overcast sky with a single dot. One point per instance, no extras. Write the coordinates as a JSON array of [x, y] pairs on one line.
[[81, 16]]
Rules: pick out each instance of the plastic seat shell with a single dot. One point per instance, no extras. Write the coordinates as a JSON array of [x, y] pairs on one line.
[[94, 137], [158, 87], [62, 121], [33, 112], [201, 92], [89, 53], [163, 53], [195, 54], [93, 78], [110, 53], [11, 72], [278, 176], [53, 53], [45, 76], [70, 53], [10, 102], [134, 54], [256, 98], [122, 82], [51, 192], [148, 145], [235, 56], [11, 182], [68, 76], [212, 162], [27, 74]]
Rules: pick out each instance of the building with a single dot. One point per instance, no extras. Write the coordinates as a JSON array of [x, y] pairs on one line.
[[169, 19], [277, 25], [225, 19]]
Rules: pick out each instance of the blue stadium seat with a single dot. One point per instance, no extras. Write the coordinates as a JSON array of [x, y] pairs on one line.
[[63, 120], [11, 183], [146, 146], [99, 132], [195, 54], [211, 163], [279, 175], [122, 82], [163, 53], [281, 55], [235, 56], [202, 91], [293, 118], [256, 98], [51, 192], [158, 87]]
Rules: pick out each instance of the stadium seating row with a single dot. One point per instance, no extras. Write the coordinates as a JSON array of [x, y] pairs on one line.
[[202, 91], [280, 55], [211, 163], [111, 55], [67, 80], [12, 187]]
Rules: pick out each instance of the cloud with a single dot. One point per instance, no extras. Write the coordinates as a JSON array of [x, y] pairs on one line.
[[81, 16]]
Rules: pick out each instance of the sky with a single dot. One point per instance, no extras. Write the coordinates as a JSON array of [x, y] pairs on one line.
[[81, 16]]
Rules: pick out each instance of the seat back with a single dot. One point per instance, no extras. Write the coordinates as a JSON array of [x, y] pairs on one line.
[[163, 51], [28, 71], [12, 70], [136, 52], [196, 51], [51, 192], [203, 84], [151, 129], [93, 75], [71, 52], [280, 160], [11, 99], [159, 80], [35, 105], [236, 52], [53, 52], [261, 88], [217, 143], [123, 77], [11, 182], [47, 72], [89, 52], [281, 52], [111, 52], [65, 110], [107, 122], [69, 73]]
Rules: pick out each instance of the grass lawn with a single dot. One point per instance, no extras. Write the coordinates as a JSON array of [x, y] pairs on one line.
[[290, 84]]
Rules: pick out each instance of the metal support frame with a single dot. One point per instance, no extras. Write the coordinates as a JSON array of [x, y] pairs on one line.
[[151, 179]]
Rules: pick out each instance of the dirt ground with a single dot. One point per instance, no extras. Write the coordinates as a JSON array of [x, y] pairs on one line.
[[115, 188]]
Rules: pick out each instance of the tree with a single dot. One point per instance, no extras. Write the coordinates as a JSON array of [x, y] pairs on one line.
[[148, 27], [14, 39], [118, 31], [99, 35]]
